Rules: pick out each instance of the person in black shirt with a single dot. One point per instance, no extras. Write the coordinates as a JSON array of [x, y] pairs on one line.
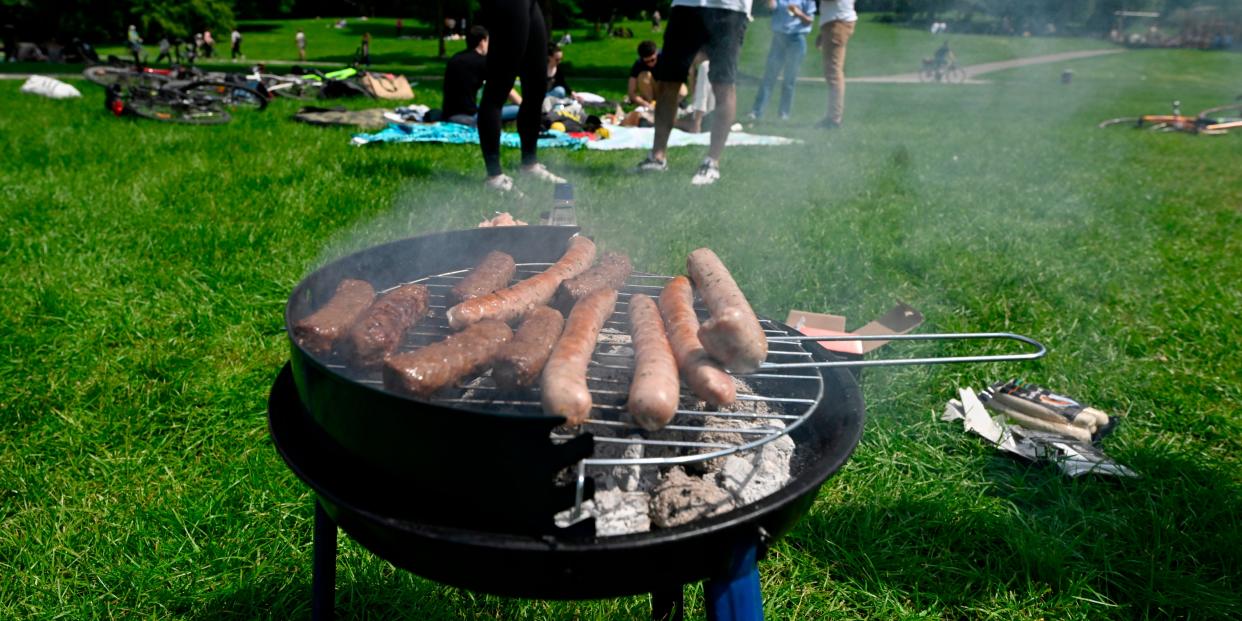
[[641, 88], [464, 76]]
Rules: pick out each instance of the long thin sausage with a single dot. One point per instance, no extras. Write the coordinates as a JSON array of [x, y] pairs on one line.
[[564, 383], [655, 389], [513, 302], [706, 379], [733, 335], [424, 371], [319, 331]]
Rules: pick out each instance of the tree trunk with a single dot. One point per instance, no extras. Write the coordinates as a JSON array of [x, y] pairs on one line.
[[440, 25]]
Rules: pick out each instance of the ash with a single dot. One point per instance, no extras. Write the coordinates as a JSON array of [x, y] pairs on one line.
[[634, 499]]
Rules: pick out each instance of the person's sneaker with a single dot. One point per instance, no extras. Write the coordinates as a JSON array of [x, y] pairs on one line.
[[828, 123], [502, 184], [709, 173], [651, 164], [784, 117], [751, 117], [540, 172]]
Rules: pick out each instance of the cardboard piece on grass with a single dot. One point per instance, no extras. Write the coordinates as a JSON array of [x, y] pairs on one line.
[[900, 319]]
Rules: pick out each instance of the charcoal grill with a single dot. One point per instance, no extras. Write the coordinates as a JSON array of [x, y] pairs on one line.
[[462, 487]]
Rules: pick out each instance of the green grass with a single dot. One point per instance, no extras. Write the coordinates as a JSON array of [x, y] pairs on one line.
[[147, 266]]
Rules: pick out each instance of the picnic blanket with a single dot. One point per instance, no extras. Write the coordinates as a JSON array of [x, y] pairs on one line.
[[452, 133], [642, 137]]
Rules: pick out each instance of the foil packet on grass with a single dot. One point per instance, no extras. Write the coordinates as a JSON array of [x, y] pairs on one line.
[[1038, 425]]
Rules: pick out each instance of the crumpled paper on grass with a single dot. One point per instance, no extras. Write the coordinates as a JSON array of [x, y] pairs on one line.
[[1072, 457]]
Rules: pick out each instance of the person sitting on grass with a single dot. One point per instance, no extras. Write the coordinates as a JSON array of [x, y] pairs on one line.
[[464, 76], [641, 88]]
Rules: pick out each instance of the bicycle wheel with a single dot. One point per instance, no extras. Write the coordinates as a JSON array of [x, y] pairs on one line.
[[928, 74], [177, 111], [105, 76], [955, 75], [1131, 121], [1229, 112], [231, 95], [299, 89]]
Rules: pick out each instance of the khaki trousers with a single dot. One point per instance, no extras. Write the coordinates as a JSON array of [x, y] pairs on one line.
[[833, 37]]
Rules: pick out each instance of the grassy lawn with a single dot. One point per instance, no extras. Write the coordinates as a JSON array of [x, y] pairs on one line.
[[147, 267]]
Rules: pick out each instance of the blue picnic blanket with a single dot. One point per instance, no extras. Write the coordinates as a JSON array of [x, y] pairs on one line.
[[453, 133]]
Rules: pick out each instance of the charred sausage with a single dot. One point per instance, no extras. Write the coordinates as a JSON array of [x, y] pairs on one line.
[[610, 273], [424, 371], [493, 272], [564, 383], [733, 335], [380, 329], [706, 379], [318, 332], [521, 359], [511, 303], [655, 389]]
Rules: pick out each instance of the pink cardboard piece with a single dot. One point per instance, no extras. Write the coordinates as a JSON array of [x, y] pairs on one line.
[[900, 319]]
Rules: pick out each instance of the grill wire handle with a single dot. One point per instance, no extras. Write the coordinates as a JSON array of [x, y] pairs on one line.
[[891, 362]]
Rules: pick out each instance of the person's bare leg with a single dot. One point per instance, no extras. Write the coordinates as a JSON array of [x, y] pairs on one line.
[[726, 109], [665, 114]]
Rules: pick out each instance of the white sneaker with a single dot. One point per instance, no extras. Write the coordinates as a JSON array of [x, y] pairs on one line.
[[540, 172], [651, 164], [709, 173], [502, 184]]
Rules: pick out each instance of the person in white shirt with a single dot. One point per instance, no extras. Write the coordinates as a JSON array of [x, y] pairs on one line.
[[717, 28], [236, 39], [836, 25], [300, 39]]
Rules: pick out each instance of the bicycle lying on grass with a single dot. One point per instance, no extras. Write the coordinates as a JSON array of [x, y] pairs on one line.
[[311, 84], [201, 102], [1212, 121]]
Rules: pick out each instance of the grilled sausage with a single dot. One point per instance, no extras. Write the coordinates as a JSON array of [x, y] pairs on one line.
[[564, 383], [655, 389], [493, 272], [610, 273], [318, 331], [380, 329], [513, 302], [706, 379], [521, 359], [733, 335], [424, 371]]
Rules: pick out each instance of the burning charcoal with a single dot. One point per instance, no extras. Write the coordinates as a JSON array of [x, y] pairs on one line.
[[682, 499]]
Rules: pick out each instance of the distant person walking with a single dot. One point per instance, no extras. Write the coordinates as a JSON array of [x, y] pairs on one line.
[[791, 23], [717, 28], [518, 47], [836, 26], [209, 44], [165, 50], [300, 39], [364, 50], [400, 25], [135, 44], [236, 39]]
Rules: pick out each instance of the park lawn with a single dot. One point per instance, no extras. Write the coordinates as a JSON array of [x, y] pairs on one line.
[[147, 266], [876, 48]]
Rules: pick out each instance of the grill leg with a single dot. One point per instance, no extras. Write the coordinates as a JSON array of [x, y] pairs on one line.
[[668, 605], [323, 572], [735, 595]]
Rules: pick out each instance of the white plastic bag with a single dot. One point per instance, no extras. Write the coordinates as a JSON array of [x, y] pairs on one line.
[[49, 87]]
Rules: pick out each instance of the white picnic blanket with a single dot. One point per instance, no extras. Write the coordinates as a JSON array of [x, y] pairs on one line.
[[643, 137]]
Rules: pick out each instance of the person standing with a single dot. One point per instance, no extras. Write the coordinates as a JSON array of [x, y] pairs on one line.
[[236, 39], [209, 44], [300, 39], [165, 50], [791, 23], [364, 51], [717, 28], [836, 26], [519, 47], [400, 25], [135, 44]]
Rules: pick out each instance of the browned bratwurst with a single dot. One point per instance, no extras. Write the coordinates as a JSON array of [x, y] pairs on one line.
[[318, 331], [733, 335], [513, 302], [424, 371], [521, 359], [564, 382], [706, 379], [655, 389], [381, 327], [610, 273], [493, 272]]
